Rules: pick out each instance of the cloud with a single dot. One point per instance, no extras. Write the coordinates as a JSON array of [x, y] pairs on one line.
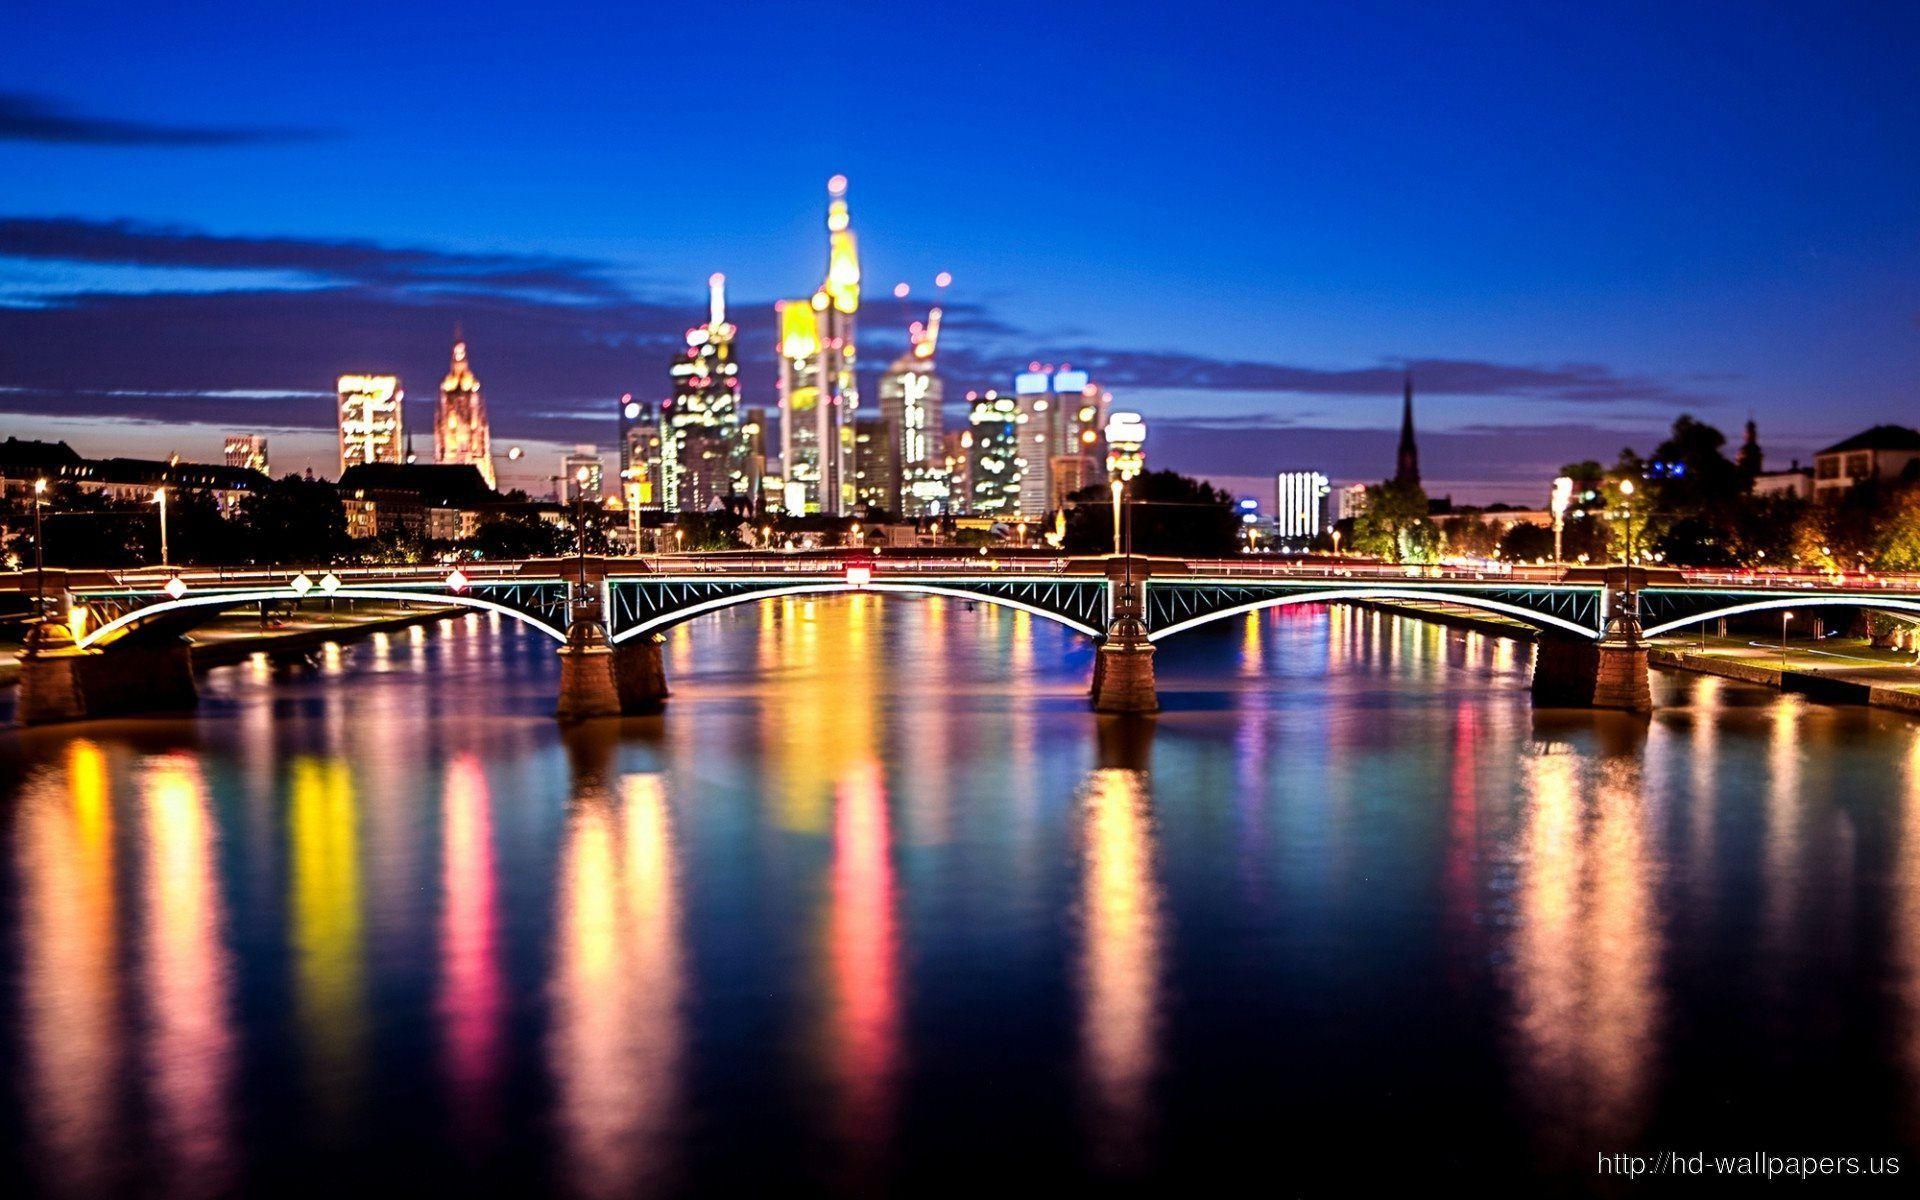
[[369, 264], [25, 118], [1432, 376]]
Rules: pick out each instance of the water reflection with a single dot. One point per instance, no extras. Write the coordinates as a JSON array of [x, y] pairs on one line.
[[472, 988], [70, 984], [864, 957], [185, 981], [1119, 964], [617, 986], [1586, 953], [323, 831]]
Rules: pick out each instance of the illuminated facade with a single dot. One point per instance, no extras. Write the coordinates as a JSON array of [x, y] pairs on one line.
[[1126, 446], [584, 459], [1300, 505], [702, 456], [876, 470], [373, 425], [1062, 415], [992, 446], [246, 450], [818, 391], [640, 466], [461, 436], [910, 397]]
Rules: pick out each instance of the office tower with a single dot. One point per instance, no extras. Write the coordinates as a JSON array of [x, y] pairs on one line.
[[1300, 505], [1063, 415], [373, 425], [461, 435], [640, 466], [992, 445], [701, 451], [911, 394], [1351, 502], [580, 475], [876, 473], [818, 390], [248, 450], [1406, 469], [954, 457]]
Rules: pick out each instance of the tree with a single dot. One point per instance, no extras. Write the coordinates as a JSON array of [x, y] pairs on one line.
[[519, 535], [1171, 514], [294, 520], [1394, 526], [1526, 543], [1897, 543]]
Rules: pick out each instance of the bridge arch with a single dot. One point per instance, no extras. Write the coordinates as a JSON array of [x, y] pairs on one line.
[[1537, 620], [838, 587], [1803, 601], [219, 600]]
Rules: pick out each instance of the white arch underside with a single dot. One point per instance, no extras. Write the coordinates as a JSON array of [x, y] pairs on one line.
[[836, 588], [1886, 603], [1350, 594], [231, 599]]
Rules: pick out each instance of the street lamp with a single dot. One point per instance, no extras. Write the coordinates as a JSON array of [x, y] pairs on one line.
[[1626, 490], [1562, 500], [1784, 618], [39, 551], [1336, 541], [1119, 486], [160, 498]]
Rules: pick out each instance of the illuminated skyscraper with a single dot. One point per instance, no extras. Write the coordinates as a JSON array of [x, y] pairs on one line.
[[460, 432], [993, 471], [580, 475], [818, 391], [1300, 505], [701, 452], [373, 424], [639, 455], [876, 469], [248, 450], [910, 399], [1062, 416]]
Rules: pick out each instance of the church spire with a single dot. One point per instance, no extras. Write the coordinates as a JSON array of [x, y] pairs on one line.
[[1407, 469]]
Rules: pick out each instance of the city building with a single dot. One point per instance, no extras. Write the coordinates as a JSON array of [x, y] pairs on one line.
[[1794, 481], [955, 446], [1350, 502], [461, 435], [1063, 415], [373, 423], [911, 394], [121, 479], [876, 469], [246, 450], [435, 501], [1406, 469], [580, 476], [818, 389], [992, 446], [702, 453], [1300, 505], [640, 465], [1883, 452]]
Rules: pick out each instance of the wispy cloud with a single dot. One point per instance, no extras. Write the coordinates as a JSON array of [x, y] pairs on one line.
[[27, 118], [368, 264]]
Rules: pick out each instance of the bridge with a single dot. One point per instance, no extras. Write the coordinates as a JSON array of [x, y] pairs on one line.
[[113, 641]]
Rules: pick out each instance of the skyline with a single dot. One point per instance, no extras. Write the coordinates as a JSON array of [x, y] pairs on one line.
[[1561, 211]]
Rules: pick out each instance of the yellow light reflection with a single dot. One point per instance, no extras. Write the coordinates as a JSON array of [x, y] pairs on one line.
[[69, 986], [327, 935], [185, 979], [1120, 961], [864, 957], [1586, 954], [617, 988]]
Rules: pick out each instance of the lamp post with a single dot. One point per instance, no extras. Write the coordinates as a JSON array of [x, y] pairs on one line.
[[1336, 541], [1561, 501], [160, 498], [1784, 618], [580, 518], [1119, 486], [1626, 505], [39, 551]]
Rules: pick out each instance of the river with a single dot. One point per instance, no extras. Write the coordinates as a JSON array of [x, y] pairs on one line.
[[878, 904]]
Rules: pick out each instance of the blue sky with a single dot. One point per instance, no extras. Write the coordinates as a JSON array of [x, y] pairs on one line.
[[1576, 221]]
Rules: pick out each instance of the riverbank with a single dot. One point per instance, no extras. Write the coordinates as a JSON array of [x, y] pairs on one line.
[[1836, 671], [236, 637]]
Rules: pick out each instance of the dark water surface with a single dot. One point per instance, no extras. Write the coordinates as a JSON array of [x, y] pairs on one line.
[[878, 904]]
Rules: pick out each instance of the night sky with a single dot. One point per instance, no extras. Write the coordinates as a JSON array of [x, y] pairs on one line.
[[1574, 221]]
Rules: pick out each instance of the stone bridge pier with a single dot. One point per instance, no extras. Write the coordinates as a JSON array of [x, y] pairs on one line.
[[1571, 672], [1123, 665], [60, 681], [597, 677]]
